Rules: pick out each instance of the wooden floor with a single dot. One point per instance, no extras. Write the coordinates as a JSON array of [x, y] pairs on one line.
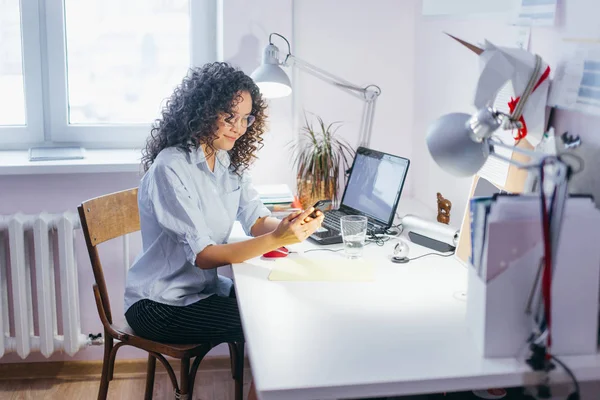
[[210, 385]]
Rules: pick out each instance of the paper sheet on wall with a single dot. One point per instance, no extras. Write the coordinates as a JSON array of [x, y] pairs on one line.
[[509, 36], [576, 83], [338, 269], [495, 170], [465, 7], [535, 12], [577, 21]]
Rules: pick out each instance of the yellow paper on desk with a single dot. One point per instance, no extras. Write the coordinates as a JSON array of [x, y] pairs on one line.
[[300, 268]]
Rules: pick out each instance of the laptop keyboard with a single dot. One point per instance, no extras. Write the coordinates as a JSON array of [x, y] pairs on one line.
[[332, 220]]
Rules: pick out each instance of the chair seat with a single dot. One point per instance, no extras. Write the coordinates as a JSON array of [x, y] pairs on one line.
[[171, 349]]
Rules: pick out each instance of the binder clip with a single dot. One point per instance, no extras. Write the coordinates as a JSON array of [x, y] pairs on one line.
[[570, 141]]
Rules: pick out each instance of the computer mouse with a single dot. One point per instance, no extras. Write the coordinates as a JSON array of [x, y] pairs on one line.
[[277, 253]]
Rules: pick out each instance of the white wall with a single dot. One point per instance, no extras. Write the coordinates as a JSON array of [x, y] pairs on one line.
[[365, 43], [247, 25], [445, 82]]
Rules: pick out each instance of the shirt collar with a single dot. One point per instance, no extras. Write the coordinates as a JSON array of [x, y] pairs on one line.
[[223, 157], [197, 156]]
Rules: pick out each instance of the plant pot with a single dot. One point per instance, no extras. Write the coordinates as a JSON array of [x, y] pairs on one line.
[[309, 196]]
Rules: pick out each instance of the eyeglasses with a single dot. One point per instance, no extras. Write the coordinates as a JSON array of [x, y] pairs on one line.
[[246, 121]]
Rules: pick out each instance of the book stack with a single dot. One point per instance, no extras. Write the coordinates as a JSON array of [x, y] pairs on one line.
[[279, 199]]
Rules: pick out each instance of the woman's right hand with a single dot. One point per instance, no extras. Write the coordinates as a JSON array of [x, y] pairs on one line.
[[293, 228]]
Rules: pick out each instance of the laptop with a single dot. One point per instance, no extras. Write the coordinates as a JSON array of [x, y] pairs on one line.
[[373, 189]]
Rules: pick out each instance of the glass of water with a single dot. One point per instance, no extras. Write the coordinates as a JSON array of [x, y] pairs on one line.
[[354, 234]]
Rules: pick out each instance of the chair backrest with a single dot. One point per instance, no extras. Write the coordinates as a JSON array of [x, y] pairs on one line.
[[104, 218]]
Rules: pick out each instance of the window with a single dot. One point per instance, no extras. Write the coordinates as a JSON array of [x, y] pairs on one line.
[[12, 102], [123, 57], [104, 67], [20, 83]]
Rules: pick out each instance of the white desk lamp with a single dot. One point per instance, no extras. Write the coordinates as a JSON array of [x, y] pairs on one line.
[[461, 143], [274, 82]]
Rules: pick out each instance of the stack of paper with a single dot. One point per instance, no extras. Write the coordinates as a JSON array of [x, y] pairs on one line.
[[275, 194], [480, 208], [278, 199]]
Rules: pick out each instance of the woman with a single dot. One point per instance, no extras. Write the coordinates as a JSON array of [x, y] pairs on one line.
[[194, 188]]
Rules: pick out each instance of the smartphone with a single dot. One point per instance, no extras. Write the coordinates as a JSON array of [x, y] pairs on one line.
[[320, 205]]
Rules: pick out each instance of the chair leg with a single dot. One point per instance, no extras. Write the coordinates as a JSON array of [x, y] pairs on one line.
[[184, 380], [150, 377], [108, 345], [113, 356], [194, 369], [239, 371], [169, 370]]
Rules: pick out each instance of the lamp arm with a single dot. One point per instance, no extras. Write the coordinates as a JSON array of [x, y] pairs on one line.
[[536, 157], [325, 76], [368, 94], [370, 116]]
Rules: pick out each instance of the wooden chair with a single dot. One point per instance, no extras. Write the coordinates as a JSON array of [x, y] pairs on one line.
[[111, 216]]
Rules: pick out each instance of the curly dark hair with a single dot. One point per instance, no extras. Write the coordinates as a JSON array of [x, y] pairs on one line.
[[190, 115]]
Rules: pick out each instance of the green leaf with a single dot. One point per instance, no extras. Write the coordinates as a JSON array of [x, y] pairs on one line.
[[320, 156]]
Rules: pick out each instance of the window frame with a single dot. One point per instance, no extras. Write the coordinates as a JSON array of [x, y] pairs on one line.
[[45, 79]]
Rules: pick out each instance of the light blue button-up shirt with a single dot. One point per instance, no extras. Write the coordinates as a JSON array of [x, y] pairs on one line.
[[184, 207]]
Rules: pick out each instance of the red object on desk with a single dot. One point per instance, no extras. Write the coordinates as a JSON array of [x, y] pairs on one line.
[[296, 203], [278, 253]]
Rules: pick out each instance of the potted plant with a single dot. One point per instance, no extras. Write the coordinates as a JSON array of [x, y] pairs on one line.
[[320, 158]]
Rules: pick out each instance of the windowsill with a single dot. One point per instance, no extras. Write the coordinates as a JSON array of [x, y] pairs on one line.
[[95, 161]]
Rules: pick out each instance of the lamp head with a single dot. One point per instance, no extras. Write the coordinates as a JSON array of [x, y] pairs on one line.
[[272, 81], [458, 142]]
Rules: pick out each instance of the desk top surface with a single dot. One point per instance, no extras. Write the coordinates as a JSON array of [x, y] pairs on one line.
[[404, 333]]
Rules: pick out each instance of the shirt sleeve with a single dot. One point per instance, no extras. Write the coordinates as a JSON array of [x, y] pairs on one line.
[[178, 212], [251, 207]]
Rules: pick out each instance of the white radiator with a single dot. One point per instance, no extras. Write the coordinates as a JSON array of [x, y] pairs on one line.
[[17, 260]]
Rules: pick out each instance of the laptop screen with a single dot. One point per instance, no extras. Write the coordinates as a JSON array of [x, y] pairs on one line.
[[375, 184]]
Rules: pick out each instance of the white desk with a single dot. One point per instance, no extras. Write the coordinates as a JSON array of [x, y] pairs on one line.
[[404, 333]]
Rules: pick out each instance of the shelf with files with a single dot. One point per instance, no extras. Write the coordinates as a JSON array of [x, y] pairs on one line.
[[503, 280]]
